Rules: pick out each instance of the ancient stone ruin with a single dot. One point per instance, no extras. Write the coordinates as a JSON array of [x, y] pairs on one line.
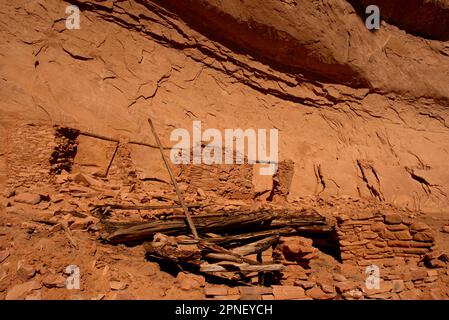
[[356, 207]]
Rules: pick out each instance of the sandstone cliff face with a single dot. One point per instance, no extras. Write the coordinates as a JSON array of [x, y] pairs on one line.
[[327, 38], [360, 113]]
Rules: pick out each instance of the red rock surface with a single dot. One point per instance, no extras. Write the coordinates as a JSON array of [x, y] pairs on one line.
[[363, 138]]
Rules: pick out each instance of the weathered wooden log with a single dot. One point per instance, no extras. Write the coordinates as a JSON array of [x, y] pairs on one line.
[[217, 249], [227, 223], [173, 253], [256, 247], [242, 237], [145, 207], [204, 223], [222, 257], [251, 248], [189, 220], [243, 267]]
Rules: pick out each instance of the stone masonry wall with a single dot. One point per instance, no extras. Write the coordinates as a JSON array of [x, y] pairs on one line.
[[29, 148], [376, 236]]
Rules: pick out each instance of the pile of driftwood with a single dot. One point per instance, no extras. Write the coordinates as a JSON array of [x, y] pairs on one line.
[[221, 242]]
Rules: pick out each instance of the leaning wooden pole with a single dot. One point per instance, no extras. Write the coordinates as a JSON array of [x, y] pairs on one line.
[[117, 145], [175, 184]]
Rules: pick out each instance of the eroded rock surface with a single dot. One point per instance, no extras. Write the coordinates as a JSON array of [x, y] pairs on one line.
[[362, 119]]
